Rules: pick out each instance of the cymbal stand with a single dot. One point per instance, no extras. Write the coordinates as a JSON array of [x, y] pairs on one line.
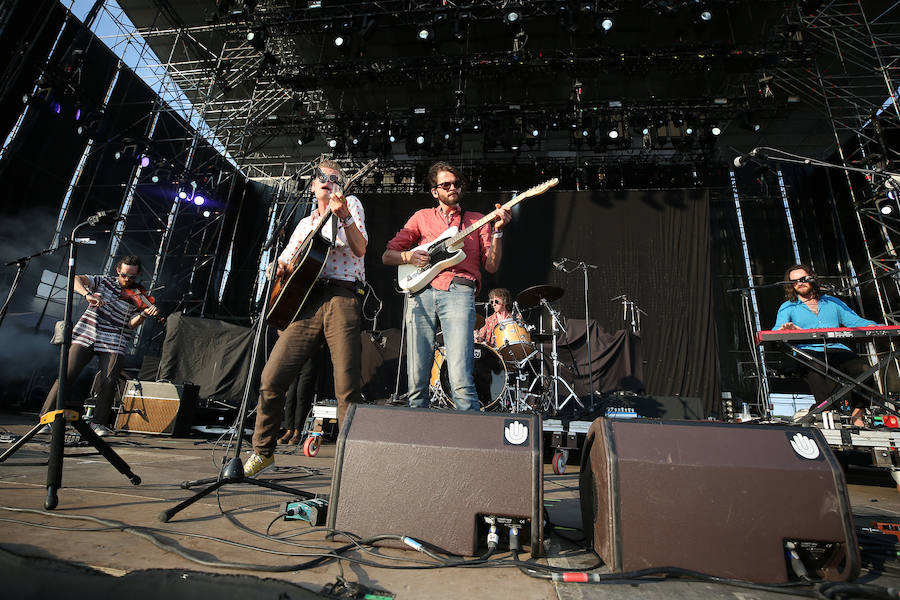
[[556, 326]]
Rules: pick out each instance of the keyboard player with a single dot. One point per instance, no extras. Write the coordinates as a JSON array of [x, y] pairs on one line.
[[806, 307]]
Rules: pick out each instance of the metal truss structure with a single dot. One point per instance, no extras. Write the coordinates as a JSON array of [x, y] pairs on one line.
[[855, 83], [269, 82]]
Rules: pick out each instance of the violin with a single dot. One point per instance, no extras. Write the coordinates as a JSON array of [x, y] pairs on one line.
[[137, 295]]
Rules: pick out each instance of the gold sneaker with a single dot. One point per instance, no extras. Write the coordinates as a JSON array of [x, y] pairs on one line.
[[256, 464]]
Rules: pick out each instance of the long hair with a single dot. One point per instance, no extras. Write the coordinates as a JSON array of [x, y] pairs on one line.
[[790, 293], [504, 296], [443, 166]]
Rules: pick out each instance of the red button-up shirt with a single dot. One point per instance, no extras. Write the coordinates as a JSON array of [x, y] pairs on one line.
[[427, 224]]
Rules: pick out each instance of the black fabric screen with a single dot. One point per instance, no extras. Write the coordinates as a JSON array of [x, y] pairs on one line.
[[651, 245], [212, 354]]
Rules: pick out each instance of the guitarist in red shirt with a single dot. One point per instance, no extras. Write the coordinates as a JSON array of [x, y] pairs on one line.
[[450, 296], [330, 311]]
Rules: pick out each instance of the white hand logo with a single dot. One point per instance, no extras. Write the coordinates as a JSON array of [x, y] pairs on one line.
[[516, 433], [804, 446]]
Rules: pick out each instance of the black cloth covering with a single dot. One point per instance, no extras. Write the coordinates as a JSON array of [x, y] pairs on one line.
[[212, 354], [616, 358]]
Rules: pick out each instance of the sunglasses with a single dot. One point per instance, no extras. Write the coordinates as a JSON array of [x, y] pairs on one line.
[[323, 178], [496, 301], [449, 184], [801, 280]]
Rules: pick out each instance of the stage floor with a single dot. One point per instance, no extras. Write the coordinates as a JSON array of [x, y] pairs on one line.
[[240, 513]]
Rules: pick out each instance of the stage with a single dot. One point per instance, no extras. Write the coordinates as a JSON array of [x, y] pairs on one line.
[[241, 513]]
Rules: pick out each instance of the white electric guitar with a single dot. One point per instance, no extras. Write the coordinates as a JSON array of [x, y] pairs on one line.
[[446, 250]]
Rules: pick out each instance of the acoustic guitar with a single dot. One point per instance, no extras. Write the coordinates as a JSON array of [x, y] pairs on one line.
[[292, 288]]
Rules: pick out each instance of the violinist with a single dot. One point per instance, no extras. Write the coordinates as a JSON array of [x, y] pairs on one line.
[[104, 330]]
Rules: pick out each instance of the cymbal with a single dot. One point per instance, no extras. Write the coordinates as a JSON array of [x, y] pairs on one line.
[[532, 296]]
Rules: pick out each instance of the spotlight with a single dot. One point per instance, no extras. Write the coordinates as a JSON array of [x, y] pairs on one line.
[[606, 23], [705, 15], [511, 17], [199, 200], [206, 213], [155, 178], [182, 194], [145, 161], [885, 206], [426, 34], [392, 138], [339, 40], [613, 134], [420, 139], [257, 38], [332, 143], [715, 130], [535, 132], [585, 133]]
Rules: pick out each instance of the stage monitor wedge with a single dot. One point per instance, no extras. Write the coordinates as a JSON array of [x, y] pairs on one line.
[[433, 475], [717, 498]]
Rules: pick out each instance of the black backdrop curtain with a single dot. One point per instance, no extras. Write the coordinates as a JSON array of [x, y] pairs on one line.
[[651, 245]]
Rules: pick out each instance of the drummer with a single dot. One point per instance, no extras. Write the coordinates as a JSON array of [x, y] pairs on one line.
[[501, 301]]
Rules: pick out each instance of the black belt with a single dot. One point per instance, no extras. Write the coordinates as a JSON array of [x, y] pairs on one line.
[[325, 282], [464, 281]]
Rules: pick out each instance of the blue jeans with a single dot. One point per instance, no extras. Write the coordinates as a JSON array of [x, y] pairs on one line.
[[455, 309]]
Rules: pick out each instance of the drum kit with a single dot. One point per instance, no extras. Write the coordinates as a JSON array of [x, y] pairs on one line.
[[513, 376]]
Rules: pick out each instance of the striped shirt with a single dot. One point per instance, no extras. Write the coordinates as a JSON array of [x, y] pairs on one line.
[[105, 327], [342, 263]]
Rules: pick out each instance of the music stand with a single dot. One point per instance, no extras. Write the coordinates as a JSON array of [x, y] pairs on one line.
[[59, 417]]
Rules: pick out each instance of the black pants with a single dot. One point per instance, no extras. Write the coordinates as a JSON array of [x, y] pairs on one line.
[[846, 362], [79, 357], [299, 397]]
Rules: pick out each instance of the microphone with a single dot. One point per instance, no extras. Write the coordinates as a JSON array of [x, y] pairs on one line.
[[559, 264], [103, 214], [744, 159]]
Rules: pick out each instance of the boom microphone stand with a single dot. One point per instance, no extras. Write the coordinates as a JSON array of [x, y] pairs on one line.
[[58, 418], [233, 470]]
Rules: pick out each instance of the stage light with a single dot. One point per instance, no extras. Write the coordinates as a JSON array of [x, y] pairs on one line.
[[206, 213], [332, 143], [420, 139], [705, 15], [339, 40], [257, 38], [145, 161], [613, 134], [199, 200], [426, 34], [715, 130], [606, 23], [182, 194], [392, 138], [535, 132]]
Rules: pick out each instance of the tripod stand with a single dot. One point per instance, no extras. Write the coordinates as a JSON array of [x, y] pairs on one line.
[[59, 417]]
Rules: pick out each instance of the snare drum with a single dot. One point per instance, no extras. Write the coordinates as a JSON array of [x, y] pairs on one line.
[[512, 340], [490, 376]]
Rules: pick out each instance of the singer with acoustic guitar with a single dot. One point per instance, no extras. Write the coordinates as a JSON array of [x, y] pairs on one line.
[[105, 330], [330, 311], [449, 296]]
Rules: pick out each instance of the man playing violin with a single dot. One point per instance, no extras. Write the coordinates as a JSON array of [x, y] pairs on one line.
[[331, 312], [105, 330]]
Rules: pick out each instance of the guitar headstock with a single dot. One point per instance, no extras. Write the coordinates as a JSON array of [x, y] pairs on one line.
[[541, 188], [362, 172]]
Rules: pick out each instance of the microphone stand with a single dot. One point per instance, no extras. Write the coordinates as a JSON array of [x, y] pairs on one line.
[[233, 470], [583, 266], [755, 350], [21, 265], [58, 418]]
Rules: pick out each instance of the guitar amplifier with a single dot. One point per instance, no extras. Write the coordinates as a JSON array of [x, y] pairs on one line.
[[157, 407]]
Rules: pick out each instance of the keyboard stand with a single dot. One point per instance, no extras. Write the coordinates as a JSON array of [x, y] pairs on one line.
[[847, 382]]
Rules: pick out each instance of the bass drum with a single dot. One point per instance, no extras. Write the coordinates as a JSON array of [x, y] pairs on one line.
[[490, 378]]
